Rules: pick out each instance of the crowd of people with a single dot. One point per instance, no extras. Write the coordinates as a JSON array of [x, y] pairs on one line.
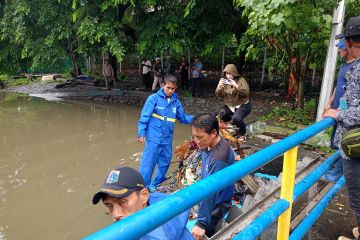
[[154, 75], [126, 190]]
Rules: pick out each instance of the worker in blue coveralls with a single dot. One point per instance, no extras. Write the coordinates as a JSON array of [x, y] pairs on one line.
[[216, 154], [155, 130], [123, 194]]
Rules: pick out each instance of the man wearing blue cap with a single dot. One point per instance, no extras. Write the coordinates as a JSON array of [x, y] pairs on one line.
[[123, 194], [348, 120], [337, 171]]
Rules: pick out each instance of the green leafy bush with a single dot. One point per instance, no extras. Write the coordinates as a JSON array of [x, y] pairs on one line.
[[123, 77], [21, 81], [292, 118]]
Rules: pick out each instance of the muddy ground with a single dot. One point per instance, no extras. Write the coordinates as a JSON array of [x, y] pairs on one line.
[[262, 101], [336, 220]]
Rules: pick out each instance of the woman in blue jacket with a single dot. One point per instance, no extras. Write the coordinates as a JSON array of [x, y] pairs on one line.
[[155, 130]]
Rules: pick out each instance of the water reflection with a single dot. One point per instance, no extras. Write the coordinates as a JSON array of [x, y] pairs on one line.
[[53, 156]]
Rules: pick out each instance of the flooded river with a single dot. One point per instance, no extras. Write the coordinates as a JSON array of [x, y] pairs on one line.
[[54, 156]]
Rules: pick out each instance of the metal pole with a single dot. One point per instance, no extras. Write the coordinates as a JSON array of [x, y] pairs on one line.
[[331, 59], [313, 77], [311, 218], [310, 179], [263, 221], [287, 190], [254, 229]]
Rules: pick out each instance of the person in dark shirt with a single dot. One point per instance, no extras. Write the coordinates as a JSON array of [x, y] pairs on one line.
[[184, 68], [336, 172], [216, 154], [348, 117]]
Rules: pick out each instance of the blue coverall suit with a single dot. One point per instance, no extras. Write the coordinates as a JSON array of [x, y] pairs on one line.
[[156, 124], [214, 208], [174, 229]]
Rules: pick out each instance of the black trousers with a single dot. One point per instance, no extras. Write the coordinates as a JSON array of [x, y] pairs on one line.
[[196, 87], [352, 177], [216, 216], [147, 80], [184, 80], [236, 118]]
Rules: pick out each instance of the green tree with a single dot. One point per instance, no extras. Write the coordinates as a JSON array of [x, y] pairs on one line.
[[44, 35], [200, 25], [298, 29], [105, 25], [12, 34]]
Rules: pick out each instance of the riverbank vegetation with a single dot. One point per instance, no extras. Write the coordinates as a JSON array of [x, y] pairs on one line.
[[292, 118]]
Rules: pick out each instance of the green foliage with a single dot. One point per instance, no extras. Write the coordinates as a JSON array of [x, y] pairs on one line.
[[43, 36], [173, 28], [291, 29], [292, 118], [4, 77], [123, 77], [187, 94], [101, 25], [325, 149], [19, 81]]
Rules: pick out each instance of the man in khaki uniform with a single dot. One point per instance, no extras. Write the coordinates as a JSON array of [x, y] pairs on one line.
[[108, 73]]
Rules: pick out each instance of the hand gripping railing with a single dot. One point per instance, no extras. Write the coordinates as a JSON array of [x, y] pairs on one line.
[[144, 221]]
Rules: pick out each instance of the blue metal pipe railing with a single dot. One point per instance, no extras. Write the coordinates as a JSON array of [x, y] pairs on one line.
[[315, 175], [155, 215], [311, 218], [254, 229], [263, 221]]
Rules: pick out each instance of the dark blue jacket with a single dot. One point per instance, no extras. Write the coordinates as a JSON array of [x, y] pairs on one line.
[[219, 157], [158, 117], [174, 229], [341, 84]]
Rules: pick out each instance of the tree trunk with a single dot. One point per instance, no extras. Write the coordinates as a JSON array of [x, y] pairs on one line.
[[301, 92], [113, 63], [76, 68], [302, 80], [263, 68], [239, 27]]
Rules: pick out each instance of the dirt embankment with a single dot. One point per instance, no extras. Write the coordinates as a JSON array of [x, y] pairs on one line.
[[134, 94]]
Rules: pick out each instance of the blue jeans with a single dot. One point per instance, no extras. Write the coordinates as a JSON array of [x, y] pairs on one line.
[[334, 173]]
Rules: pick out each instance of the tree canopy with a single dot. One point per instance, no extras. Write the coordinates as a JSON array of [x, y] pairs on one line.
[[46, 35]]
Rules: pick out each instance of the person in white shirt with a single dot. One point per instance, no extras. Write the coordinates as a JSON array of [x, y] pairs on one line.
[[146, 73]]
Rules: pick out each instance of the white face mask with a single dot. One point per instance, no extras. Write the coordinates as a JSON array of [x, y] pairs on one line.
[[229, 76]]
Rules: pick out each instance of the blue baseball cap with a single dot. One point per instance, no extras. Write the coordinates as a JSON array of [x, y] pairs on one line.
[[341, 44]]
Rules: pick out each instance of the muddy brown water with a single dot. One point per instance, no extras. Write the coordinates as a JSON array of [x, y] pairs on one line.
[[54, 156]]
